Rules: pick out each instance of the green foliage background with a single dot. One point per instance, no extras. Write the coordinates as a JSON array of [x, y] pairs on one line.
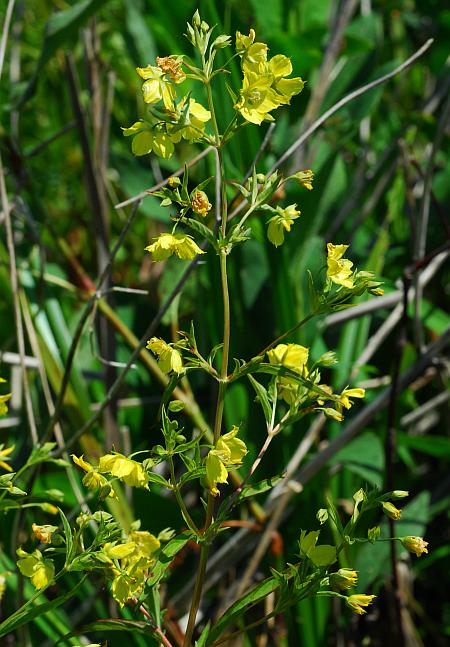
[[370, 160]]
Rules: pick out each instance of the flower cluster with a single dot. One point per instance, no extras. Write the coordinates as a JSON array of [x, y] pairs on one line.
[[228, 451], [129, 563], [117, 465], [185, 119], [265, 86]]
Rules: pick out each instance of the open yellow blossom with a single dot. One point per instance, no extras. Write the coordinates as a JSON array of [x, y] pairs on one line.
[[292, 356], [200, 203], [146, 543], [169, 359], [126, 469], [357, 602], [44, 533], [343, 579], [305, 178], [156, 86], [182, 245], [228, 451], [114, 550], [416, 545], [265, 85], [147, 139], [5, 456], [280, 67], [280, 223], [339, 269], [92, 479], [344, 398], [257, 98], [41, 571]]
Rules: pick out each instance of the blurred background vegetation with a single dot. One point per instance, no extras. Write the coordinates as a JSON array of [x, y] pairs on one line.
[[382, 184]]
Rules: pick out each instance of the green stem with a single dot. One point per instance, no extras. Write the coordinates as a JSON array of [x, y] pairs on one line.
[[179, 498], [198, 588]]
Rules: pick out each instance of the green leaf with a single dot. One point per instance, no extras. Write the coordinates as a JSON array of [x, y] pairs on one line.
[[28, 612], [323, 555], [261, 487], [201, 642], [201, 229], [61, 31], [240, 607], [263, 398], [69, 537], [166, 556], [112, 624]]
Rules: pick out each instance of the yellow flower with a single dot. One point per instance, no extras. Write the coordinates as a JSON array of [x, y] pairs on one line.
[[197, 119], [3, 400], [113, 550], [182, 245], [127, 470], [343, 579], [390, 510], [244, 42], [41, 571], [2, 585], [280, 67], [305, 178], [200, 203], [416, 545], [43, 533], [171, 65], [265, 86], [280, 223], [169, 359], [92, 479], [4, 456], [344, 398], [156, 87], [228, 451], [257, 98], [339, 269], [359, 601], [292, 356], [147, 139], [146, 543]]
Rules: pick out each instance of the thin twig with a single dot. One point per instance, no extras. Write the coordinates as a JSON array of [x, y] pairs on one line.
[[147, 192], [17, 313], [343, 14], [83, 319], [5, 32], [422, 228], [347, 99], [243, 541]]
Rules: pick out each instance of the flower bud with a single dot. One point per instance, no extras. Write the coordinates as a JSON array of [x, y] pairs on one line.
[[399, 494], [343, 579], [416, 545], [391, 511], [358, 602], [200, 203]]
